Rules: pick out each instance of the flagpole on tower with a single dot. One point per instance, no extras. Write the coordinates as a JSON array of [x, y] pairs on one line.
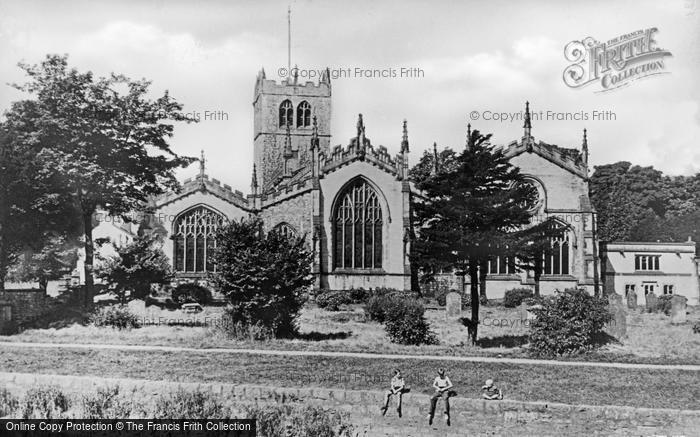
[[289, 40]]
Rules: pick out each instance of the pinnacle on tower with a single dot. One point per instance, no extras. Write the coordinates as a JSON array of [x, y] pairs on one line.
[[404, 140], [288, 143], [202, 161], [584, 149], [314, 134], [528, 123]]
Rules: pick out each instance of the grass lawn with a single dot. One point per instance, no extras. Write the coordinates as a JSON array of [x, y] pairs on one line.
[[573, 385], [651, 337]]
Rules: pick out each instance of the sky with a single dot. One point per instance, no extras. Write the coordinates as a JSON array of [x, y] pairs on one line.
[[476, 59]]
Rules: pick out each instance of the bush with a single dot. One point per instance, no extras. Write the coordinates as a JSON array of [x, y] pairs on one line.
[[189, 405], [299, 421], [8, 403], [115, 316], [568, 322], [359, 295], [383, 298], [43, 402], [664, 304], [405, 323], [241, 331], [264, 277], [191, 293], [696, 327], [105, 403], [332, 300], [514, 297]]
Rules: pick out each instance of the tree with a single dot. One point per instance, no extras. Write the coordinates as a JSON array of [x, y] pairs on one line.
[[135, 267], [34, 209], [263, 276], [55, 258], [468, 213], [103, 138]]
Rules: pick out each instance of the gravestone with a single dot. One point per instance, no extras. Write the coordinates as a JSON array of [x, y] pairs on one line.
[[522, 310], [632, 300], [453, 304], [678, 307], [6, 325], [617, 326], [652, 302]]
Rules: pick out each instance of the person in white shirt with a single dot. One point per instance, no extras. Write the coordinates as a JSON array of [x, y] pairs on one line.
[[398, 388], [442, 386]]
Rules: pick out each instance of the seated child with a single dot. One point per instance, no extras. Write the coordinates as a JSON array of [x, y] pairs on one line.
[[491, 392], [398, 388]]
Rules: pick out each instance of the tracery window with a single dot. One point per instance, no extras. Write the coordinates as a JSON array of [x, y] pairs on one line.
[[304, 114], [286, 114], [357, 228], [195, 240], [556, 256]]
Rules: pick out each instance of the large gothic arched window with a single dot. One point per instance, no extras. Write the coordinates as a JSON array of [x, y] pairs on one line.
[[304, 114], [556, 256], [286, 114], [195, 240], [357, 228]]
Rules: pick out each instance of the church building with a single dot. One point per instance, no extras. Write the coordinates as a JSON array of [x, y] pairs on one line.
[[353, 202]]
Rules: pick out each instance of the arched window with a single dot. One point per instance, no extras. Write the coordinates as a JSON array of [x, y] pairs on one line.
[[357, 228], [286, 114], [556, 257], [195, 240], [304, 114], [285, 229]]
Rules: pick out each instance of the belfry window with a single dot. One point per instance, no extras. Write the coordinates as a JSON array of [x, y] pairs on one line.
[[286, 114], [195, 240], [357, 228], [304, 114]]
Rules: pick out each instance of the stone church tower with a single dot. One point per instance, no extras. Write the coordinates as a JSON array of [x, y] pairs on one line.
[[282, 125]]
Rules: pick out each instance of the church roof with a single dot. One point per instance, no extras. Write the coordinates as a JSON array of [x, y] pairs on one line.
[[568, 159], [204, 184]]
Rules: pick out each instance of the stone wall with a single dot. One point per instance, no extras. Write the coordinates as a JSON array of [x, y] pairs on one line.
[[363, 405], [24, 306]]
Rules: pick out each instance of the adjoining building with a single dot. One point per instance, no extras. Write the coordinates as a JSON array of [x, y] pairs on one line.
[[646, 267]]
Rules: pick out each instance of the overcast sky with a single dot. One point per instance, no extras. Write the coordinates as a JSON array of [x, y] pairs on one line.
[[476, 56]]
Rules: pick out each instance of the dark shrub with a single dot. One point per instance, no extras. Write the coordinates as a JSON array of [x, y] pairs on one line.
[[696, 328], [239, 330], [189, 405], [383, 299], [405, 322], [568, 322], [467, 300], [264, 276], [191, 293], [332, 300], [43, 402], [8, 403], [359, 295], [514, 297], [115, 316], [299, 421]]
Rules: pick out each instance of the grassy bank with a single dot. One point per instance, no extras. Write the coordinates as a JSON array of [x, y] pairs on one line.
[[573, 385]]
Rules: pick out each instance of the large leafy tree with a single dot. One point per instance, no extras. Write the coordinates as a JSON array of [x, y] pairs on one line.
[[263, 275], [104, 139], [470, 212], [35, 210], [135, 267]]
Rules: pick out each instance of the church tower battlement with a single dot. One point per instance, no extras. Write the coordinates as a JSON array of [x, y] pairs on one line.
[[283, 125]]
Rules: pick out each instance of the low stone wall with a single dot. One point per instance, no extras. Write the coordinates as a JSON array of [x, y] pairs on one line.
[[363, 405], [24, 306]]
